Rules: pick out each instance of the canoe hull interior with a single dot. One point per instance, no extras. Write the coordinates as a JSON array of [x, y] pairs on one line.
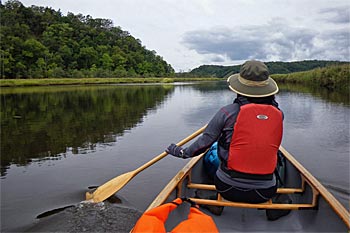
[[322, 218]]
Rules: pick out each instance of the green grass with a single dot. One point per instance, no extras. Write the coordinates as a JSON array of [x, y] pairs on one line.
[[85, 81], [331, 77]]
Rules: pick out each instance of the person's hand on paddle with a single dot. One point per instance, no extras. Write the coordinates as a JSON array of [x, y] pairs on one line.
[[176, 151]]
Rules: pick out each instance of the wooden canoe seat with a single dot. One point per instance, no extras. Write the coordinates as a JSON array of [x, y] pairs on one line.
[[267, 205]]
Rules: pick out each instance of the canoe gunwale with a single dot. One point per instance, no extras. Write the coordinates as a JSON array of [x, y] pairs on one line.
[[174, 182], [314, 183], [317, 188]]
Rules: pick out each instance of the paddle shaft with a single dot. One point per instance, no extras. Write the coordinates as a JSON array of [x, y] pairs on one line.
[[114, 185], [162, 155]]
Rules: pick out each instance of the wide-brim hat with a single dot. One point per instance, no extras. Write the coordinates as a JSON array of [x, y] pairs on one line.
[[253, 80]]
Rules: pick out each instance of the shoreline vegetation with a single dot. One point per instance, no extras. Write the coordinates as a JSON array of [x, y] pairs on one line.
[[334, 77], [91, 81]]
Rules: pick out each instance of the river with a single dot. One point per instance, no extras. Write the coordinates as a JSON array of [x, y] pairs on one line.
[[56, 142]]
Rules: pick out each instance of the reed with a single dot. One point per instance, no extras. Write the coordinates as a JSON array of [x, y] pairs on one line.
[[332, 77]]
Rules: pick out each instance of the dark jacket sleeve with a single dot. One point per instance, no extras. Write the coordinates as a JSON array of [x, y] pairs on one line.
[[209, 136]]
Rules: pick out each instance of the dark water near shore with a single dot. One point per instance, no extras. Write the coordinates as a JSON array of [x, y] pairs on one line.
[[58, 141]]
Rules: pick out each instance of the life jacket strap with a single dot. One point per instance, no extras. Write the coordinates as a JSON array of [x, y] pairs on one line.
[[192, 203]]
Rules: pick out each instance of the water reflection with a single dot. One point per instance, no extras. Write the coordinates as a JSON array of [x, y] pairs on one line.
[[44, 122], [335, 96]]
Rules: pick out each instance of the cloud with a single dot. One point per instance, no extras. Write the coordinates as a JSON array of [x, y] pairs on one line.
[[333, 45], [218, 59], [337, 15], [273, 41]]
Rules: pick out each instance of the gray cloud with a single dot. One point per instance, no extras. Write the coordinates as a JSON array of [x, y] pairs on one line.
[[217, 59], [337, 15], [221, 42], [273, 41], [333, 45]]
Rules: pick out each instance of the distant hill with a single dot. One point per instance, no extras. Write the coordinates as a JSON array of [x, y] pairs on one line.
[[274, 67], [40, 42]]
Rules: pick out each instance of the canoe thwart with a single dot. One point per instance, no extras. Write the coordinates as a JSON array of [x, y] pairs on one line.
[[265, 205], [212, 187]]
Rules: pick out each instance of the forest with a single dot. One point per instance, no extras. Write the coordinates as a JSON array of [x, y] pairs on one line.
[[39, 42], [274, 68]]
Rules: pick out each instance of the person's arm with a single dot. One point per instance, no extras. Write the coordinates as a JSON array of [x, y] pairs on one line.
[[209, 136]]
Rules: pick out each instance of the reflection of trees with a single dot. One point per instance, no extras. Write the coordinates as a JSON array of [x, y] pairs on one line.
[[324, 93], [328, 95], [210, 86], [43, 124]]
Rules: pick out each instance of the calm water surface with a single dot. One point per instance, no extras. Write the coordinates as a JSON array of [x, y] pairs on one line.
[[58, 141]]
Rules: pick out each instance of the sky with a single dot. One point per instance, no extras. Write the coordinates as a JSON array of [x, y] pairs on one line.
[[190, 33]]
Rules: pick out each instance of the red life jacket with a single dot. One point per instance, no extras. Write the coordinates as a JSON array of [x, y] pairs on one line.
[[154, 220], [256, 139]]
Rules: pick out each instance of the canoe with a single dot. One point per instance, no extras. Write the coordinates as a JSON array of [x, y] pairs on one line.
[[313, 207]]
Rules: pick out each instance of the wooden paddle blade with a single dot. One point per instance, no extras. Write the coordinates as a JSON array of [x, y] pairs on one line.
[[109, 188]]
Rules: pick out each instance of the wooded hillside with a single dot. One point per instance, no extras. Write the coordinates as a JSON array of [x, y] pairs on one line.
[[274, 68], [39, 42]]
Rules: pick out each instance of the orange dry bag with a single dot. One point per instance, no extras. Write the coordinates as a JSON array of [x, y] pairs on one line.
[[197, 222], [154, 220]]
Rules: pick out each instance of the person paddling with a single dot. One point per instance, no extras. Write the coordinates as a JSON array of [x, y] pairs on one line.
[[249, 133]]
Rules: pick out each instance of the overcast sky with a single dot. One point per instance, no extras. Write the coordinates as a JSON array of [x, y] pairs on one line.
[[190, 33]]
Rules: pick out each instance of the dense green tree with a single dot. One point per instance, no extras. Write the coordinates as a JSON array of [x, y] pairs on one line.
[[87, 57], [34, 56], [106, 61], [57, 35], [66, 54], [39, 42]]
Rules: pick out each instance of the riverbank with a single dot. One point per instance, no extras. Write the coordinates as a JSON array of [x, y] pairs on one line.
[[86, 81], [331, 77]]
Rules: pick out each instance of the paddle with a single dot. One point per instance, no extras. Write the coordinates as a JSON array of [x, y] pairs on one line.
[[114, 185]]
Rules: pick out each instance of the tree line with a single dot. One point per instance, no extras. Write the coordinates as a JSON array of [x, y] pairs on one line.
[[274, 68], [40, 42]]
